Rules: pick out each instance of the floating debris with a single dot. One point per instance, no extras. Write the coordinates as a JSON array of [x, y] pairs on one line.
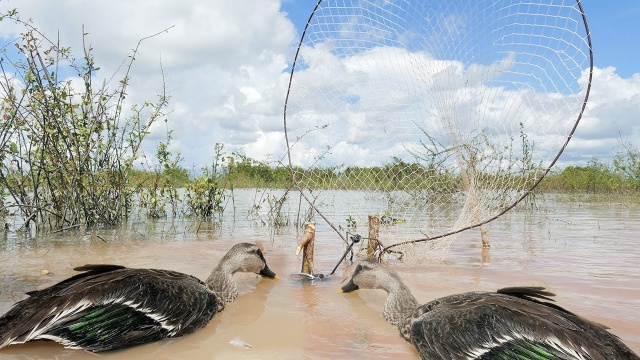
[[305, 276], [240, 343]]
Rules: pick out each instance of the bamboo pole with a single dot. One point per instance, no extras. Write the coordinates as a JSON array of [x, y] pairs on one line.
[[374, 236], [306, 246], [471, 189]]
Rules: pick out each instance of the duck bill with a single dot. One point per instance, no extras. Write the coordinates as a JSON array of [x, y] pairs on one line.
[[349, 287], [266, 272]]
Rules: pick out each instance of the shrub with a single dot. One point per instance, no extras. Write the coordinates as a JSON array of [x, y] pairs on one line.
[[67, 145]]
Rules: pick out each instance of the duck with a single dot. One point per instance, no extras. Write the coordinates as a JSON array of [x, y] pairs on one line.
[[510, 323], [108, 307]]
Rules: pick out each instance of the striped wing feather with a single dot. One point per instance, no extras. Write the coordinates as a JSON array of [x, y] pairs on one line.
[[512, 324]]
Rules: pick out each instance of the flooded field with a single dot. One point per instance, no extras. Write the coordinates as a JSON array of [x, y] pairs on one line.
[[586, 251]]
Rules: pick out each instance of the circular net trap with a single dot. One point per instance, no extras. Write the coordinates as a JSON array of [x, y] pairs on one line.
[[435, 116]]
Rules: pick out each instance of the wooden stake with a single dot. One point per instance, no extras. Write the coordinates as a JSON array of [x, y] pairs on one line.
[[306, 245], [374, 235]]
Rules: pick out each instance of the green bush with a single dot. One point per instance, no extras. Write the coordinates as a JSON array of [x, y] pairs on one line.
[[596, 177], [204, 197]]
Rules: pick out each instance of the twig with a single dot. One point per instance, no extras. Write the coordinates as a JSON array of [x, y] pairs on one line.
[[66, 228]]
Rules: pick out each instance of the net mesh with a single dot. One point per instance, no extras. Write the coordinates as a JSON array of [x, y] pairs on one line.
[[437, 116]]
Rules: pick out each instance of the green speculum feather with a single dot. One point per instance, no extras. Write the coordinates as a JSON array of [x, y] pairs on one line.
[[91, 317], [520, 350], [96, 319], [109, 328], [103, 323]]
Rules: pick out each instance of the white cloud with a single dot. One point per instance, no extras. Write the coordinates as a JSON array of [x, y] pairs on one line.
[[369, 103], [226, 70], [223, 61]]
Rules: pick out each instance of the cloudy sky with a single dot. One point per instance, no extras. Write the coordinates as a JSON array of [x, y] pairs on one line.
[[227, 68]]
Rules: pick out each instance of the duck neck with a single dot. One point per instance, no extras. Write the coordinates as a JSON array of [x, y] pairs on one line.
[[398, 306], [222, 283]]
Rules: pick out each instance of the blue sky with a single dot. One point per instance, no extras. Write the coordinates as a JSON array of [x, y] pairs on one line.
[[614, 25], [611, 115], [227, 65]]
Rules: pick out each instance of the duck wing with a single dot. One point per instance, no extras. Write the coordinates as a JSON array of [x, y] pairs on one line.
[[109, 306], [86, 271], [514, 323]]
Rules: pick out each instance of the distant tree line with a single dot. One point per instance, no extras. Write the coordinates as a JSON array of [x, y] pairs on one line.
[[619, 176]]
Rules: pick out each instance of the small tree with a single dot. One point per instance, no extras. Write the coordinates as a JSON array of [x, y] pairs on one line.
[[204, 196], [162, 186], [67, 144]]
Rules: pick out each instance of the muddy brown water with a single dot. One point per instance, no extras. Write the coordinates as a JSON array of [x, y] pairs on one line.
[[587, 252]]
